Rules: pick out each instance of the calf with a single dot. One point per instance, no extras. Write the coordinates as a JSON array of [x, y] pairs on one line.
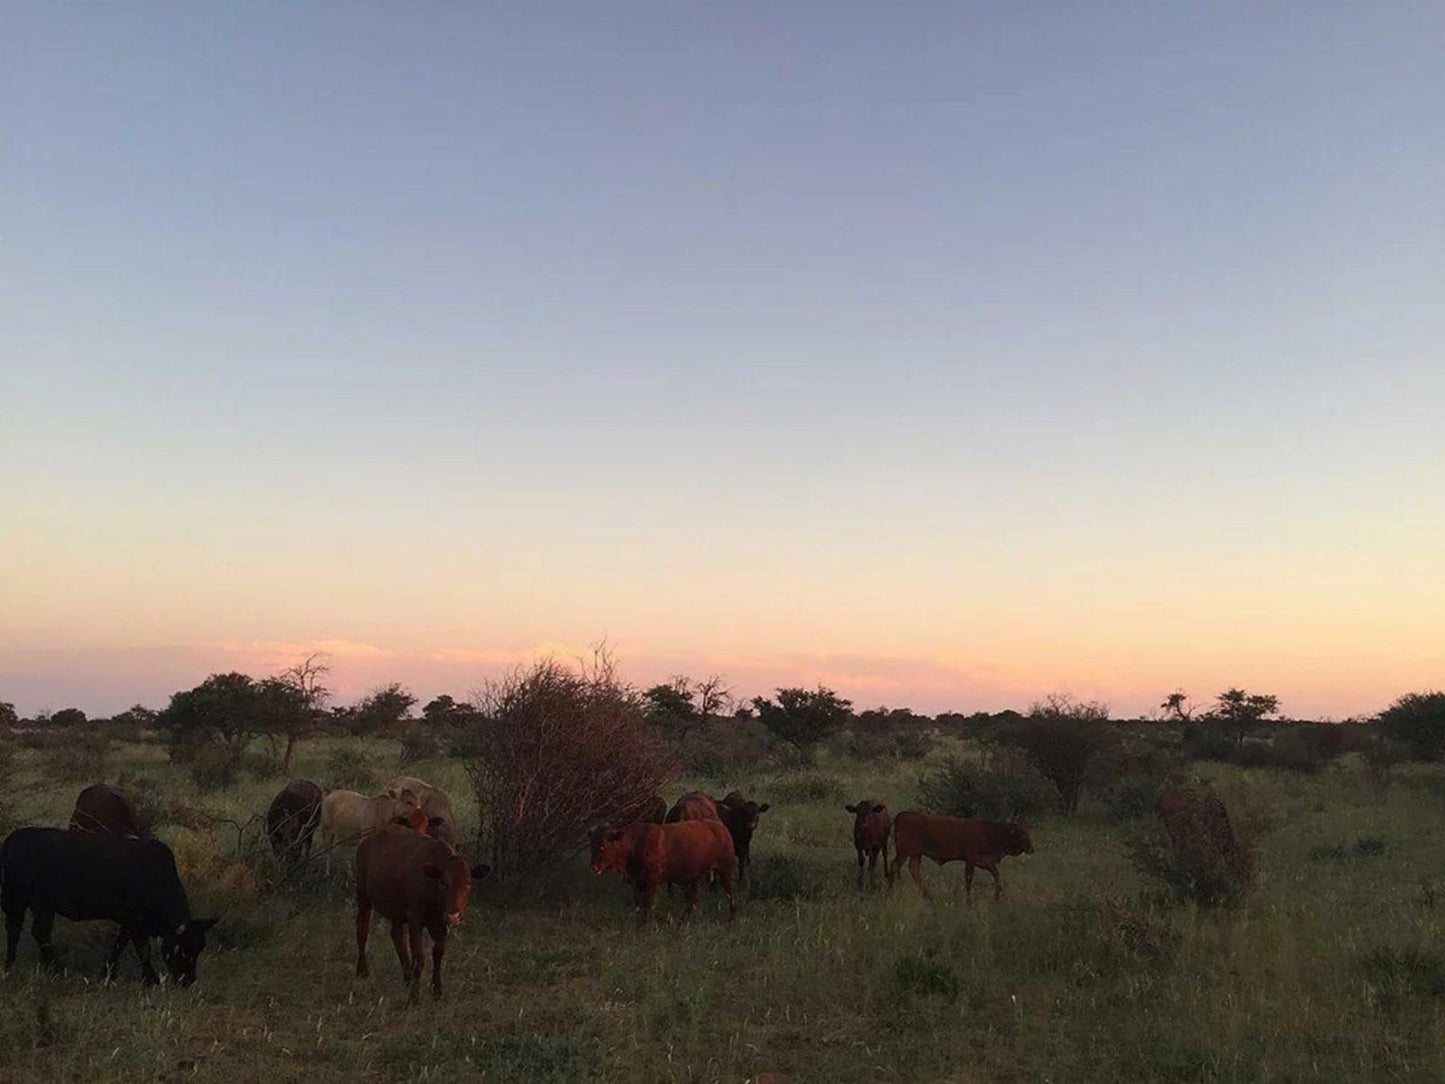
[[104, 810], [681, 852], [83, 877], [871, 823], [741, 818], [348, 816], [433, 802], [418, 884], [950, 839], [292, 819]]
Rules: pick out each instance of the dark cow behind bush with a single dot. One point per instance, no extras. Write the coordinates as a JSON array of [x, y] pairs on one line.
[[105, 810], [292, 819], [974, 842], [871, 824], [85, 877]]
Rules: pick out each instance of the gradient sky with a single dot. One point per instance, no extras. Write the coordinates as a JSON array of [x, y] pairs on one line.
[[949, 354]]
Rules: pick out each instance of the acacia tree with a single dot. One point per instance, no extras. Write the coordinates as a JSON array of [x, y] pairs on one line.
[[1178, 706], [290, 706], [383, 709], [681, 705], [1242, 711], [803, 718]]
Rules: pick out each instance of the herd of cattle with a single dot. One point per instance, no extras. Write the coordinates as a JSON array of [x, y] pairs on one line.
[[107, 865]]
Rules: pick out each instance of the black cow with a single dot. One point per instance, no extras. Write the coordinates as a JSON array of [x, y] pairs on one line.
[[80, 877], [292, 819]]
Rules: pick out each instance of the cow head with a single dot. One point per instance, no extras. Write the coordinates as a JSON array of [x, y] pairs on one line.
[[609, 849], [864, 809], [455, 876], [182, 948], [740, 816], [1016, 839]]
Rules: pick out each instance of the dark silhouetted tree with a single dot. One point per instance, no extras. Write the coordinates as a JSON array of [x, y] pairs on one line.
[[803, 718], [68, 717], [224, 708], [1063, 737], [1417, 721], [1240, 711], [383, 709]]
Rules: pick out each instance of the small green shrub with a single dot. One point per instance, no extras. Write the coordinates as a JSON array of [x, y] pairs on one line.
[[418, 743], [807, 787], [83, 757], [787, 877], [924, 974], [1132, 797], [1004, 786], [1400, 975], [349, 769], [210, 764]]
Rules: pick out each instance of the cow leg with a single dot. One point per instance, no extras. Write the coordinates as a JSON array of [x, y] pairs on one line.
[[860, 865], [403, 954], [122, 939], [14, 923], [967, 881], [915, 864], [438, 950], [646, 896], [418, 961], [363, 932], [694, 891], [40, 930], [142, 945], [997, 884], [872, 866], [730, 886]]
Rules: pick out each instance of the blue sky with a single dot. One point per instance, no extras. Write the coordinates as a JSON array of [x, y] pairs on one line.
[[742, 334]]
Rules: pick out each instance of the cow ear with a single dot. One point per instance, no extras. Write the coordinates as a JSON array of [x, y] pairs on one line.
[[480, 870], [431, 869], [850, 809], [878, 807]]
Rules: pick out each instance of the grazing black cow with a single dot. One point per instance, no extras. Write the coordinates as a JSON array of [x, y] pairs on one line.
[[81, 877], [292, 819]]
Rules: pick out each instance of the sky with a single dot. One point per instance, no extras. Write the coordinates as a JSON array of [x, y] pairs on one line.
[[945, 354]]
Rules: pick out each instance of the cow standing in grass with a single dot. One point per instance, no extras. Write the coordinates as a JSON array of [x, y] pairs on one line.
[[974, 842], [291, 821], [419, 885], [871, 824], [83, 877], [688, 853]]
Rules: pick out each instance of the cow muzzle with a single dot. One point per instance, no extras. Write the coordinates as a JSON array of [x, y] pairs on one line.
[[454, 919]]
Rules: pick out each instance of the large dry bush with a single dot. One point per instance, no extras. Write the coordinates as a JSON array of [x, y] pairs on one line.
[[562, 749]]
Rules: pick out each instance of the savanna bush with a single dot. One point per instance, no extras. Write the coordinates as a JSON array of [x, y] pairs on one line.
[[83, 757], [1132, 797], [1417, 721], [721, 748], [567, 749], [211, 764], [1202, 855], [348, 768], [418, 743], [789, 876], [1004, 785], [807, 787], [1065, 739]]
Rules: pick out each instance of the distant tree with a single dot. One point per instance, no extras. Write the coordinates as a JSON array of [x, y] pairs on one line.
[[1417, 721], [383, 709], [293, 704], [225, 708], [1063, 737], [8, 715], [138, 716], [1178, 706], [681, 705], [443, 711], [803, 718], [68, 717], [1240, 711]]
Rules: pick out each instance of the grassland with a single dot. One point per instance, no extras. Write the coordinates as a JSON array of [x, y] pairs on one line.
[[1334, 968]]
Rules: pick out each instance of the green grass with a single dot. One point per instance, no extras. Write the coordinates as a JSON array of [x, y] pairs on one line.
[[1332, 969]]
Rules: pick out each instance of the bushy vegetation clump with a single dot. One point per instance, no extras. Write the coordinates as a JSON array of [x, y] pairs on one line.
[[1003, 785]]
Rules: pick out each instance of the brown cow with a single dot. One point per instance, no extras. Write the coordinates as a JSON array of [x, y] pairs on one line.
[[292, 819], [871, 824], [950, 839], [680, 852], [104, 810], [417, 883], [693, 806]]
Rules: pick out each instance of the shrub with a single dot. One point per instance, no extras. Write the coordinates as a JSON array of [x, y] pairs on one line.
[[1063, 738], [84, 756], [1417, 721], [803, 717], [807, 787], [924, 974], [418, 743], [1398, 975], [1205, 741], [913, 744], [1203, 857], [1133, 797], [1005, 785], [1381, 757], [210, 763], [722, 748], [788, 877], [348, 769], [567, 749]]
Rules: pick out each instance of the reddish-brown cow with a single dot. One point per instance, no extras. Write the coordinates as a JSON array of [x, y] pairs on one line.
[[871, 824], [103, 810], [682, 852], [417, 883], [693, 806], [952, 839], [741, 818]]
